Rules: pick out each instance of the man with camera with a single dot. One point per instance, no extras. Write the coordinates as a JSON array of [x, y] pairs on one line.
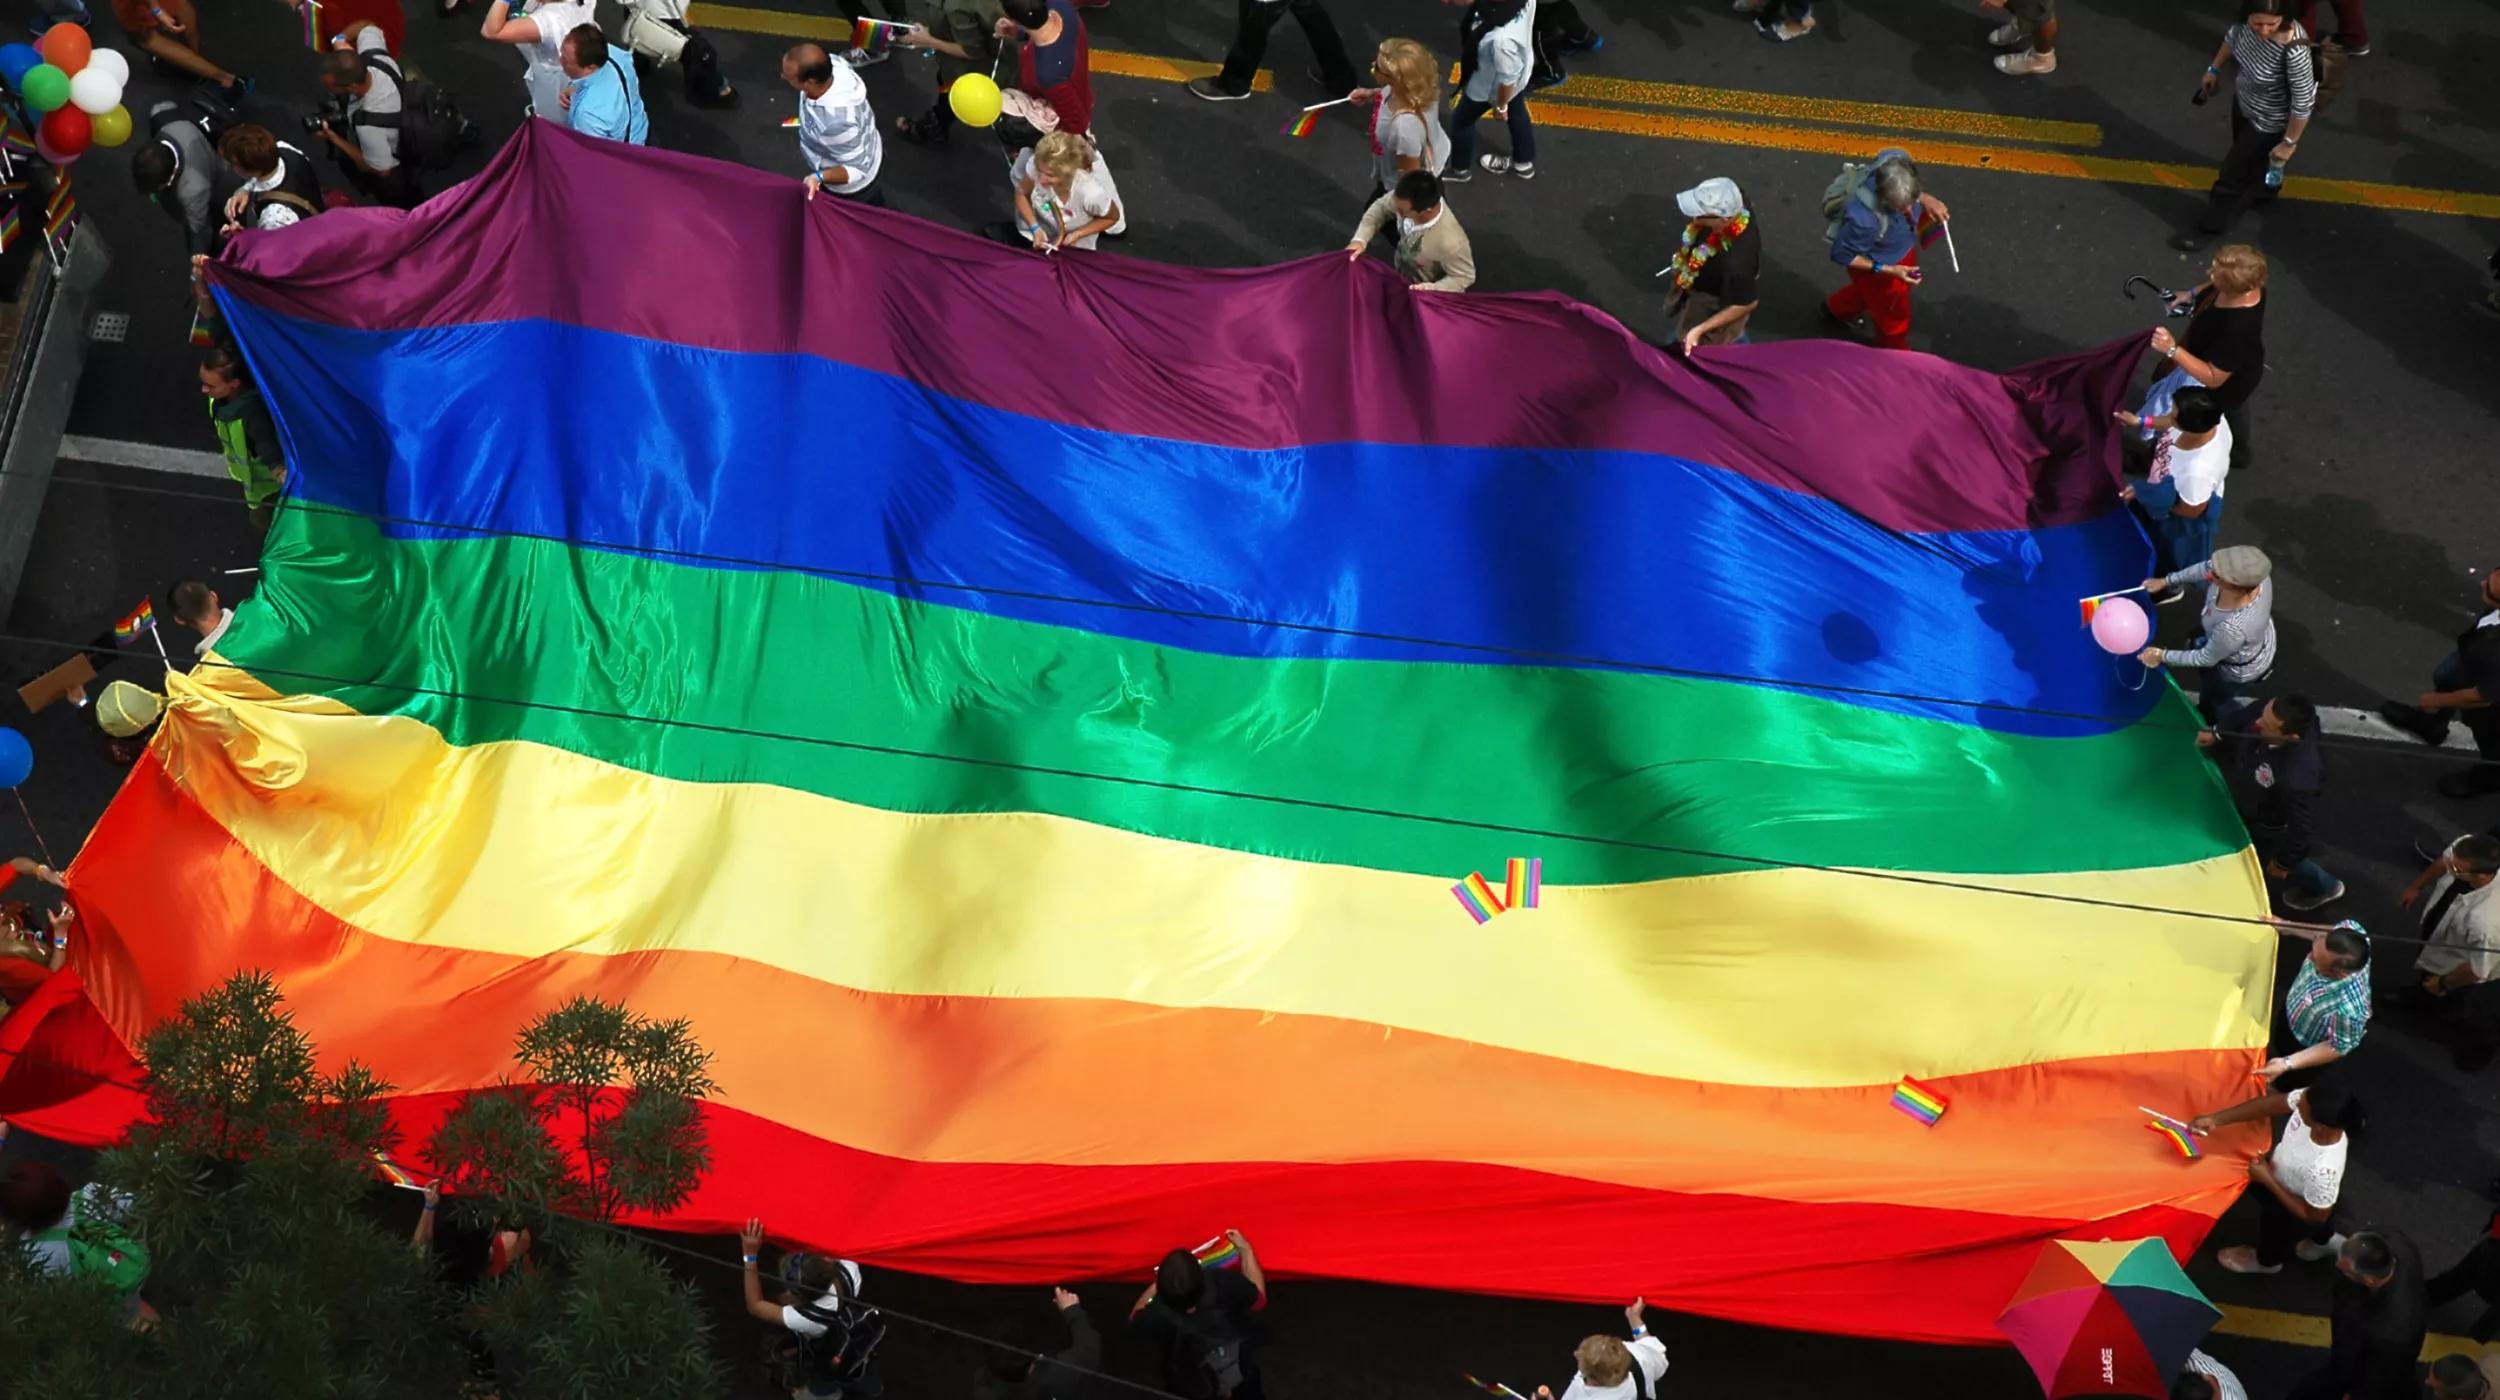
[[361, 121]]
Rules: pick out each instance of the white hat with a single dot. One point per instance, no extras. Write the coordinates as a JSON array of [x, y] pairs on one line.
[[1715, 198]]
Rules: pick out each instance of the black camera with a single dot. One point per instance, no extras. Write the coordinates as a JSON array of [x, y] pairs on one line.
[[331, 115]]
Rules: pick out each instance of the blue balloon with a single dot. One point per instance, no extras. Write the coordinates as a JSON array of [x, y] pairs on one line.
[[17, 758], [15, 59]]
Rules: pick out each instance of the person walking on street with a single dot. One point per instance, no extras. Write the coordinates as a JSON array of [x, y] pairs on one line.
[[1609, 1368], [1717, 268], [246, 435], [169, 32], [2271, 100], [1873, 231], [2352, 27], [2237, 648], [602, 94], [1199, 1320], [2458, 970], [2223, 347], [1779, 20], [2180, 498], [1024, 1373], [539, 35], [2299, 1181], [2204, 1378], [2377, 1323], [1054, 66], [2031, 32], [837, 132], [2464, 686], [1405, 125], [1496, 57], [963, 34], [2326, 1011], [1433, 254], [1251, 23], [2277, 770]]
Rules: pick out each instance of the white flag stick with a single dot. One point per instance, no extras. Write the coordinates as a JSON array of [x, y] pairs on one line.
[[1333, 102], [1948, 244]]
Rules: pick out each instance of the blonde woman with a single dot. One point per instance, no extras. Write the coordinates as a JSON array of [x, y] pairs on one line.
[[1405, 126], [1064, 194]]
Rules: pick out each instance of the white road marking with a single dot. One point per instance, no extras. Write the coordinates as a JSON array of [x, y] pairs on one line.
[[144, 455]]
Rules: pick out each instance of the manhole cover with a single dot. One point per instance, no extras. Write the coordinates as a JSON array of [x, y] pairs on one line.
[[111, 327]]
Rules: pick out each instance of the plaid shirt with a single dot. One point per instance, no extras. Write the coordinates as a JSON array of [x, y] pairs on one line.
[[2323, 1011]]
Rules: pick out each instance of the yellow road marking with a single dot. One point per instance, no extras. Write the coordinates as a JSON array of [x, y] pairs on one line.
[[1771, 136], [1883, 116], [824, 29], [2303, 1330], [2113, 170]]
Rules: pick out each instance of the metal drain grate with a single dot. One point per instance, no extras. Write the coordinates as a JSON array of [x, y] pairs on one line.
[[110, 328]]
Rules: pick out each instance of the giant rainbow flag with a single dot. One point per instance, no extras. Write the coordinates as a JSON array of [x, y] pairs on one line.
[[1030, 714]]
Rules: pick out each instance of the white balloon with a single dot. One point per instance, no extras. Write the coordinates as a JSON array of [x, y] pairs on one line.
[[106, 60], [92, 92]]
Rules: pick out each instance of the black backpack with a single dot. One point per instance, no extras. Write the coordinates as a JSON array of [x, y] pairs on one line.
[[839, 1356], [431, 129], [1207, 1355]]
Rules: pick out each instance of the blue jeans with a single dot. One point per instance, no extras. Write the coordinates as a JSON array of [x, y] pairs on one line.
[[1461, 124], [2310, 880]]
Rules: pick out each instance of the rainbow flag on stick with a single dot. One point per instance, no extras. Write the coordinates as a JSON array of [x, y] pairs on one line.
[[140, 619], [1491, 1387], [875, 36], [1303, 124], [1477, 897], [61, 210], [1219, 1253], [1522, 880], [1919, 1101], [311, 12], [396, 1174], [2180, 1134], [200, 336], [10, 225]]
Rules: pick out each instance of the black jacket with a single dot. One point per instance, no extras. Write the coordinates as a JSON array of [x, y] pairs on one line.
[[1060, 1377]]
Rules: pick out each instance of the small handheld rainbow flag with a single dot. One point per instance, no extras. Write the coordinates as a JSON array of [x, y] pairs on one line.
[[875, 36], [14, 140], [199, 332], [1919, 1101], [1477, 897], [1523, 879], [62, 210], [1930, 228], [2179, 1137], [397, 1175], [141, 619], [789, 123], [1491, 1387], [10, 227], [1302, 125], [1219, 1253], [311, 12]]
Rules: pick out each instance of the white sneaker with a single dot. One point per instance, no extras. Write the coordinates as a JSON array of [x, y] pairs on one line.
[[2027, 63], [2312, 1253], [860, 59], [2007, 35]]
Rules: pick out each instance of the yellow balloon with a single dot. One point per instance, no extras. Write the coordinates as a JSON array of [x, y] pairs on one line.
[[111, 127], [974, 99]]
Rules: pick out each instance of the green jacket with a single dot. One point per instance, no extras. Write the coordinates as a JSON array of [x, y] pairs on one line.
[[250, 442]]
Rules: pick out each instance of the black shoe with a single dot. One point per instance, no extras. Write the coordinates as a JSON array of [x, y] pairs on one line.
[[930, 128], [2481, 780], [1212, 91], [2431, 729], [2351, 50], [1458, 174]]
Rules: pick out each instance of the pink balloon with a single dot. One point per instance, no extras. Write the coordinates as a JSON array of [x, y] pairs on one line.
[[2120, 626]]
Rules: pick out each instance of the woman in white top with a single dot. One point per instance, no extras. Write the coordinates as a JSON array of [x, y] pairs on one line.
[[1405, 125], [1496, 55], [539, 35], [2300, 1180], [1064, 194]]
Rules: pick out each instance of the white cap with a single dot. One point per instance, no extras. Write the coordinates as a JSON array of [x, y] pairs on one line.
[[1715, 198]]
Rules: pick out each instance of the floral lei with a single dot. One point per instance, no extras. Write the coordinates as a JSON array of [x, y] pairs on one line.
[[1696, 251]]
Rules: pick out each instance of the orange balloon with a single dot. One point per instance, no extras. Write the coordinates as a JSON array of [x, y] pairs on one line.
[[66, 47]]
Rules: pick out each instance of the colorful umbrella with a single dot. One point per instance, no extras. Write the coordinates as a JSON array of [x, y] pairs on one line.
[[2112, 1318]]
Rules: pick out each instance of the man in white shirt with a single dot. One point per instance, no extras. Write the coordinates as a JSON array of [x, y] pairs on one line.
[[1610, 1369], [2464, 686], [2459, 908], [539, 35], [838, 135], [2180, 498], [196, 607], [359, 69]]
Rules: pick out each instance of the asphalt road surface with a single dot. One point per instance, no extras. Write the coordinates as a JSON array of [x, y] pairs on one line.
[[2367, 487]]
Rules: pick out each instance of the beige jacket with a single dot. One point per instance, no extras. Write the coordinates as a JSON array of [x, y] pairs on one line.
[[1435, 259]]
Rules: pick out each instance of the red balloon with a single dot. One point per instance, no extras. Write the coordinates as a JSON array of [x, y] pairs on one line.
[[66, 47], [66, 130]]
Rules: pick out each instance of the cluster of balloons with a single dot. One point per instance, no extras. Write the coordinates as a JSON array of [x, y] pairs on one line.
[[75, 85], [975, 99]]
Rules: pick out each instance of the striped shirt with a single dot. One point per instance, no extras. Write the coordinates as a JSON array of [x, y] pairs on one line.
[[2278, 82], [2322, 1011], [2226, 1385], [2239, 642]]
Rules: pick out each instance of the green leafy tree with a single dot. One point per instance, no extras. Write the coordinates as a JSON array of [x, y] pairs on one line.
[[606, 1119], [252, 1188]]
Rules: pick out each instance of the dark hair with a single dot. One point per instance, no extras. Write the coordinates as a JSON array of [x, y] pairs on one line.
[[2477, 854], [2459, 1378], [589, 46], [1180, 1280], [189, 601], [2194, 1385], [810, 62], [2370, 1256], [32, 1195], [1421, 189], [2331, 1105], [2196, 410], [2282, 8], [227, 361], [1032, 14], [2350, 946], [2297, 713], [153, 166], [345, 67], [812, 1273], [1014, 1350], [249, 147]]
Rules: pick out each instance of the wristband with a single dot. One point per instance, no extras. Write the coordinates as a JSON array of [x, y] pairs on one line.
[[749, 1258], [429, 1208], [2213, 70], [1639, 1332]]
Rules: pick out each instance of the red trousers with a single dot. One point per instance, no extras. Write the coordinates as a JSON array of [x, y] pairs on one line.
[[1880, 297], [2351, 25]]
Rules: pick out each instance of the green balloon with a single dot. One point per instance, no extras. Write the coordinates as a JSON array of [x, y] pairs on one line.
[[44, 87]]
